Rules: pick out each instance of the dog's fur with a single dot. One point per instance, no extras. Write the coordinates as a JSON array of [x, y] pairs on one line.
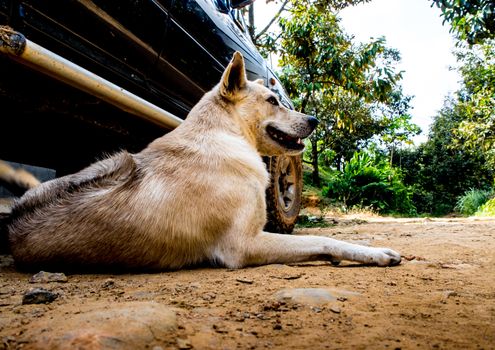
[[195, 195]]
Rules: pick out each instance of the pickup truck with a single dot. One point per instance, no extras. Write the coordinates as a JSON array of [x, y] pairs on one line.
[[83, 78]]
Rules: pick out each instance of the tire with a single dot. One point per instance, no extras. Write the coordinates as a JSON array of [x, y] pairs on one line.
[[283, 195]]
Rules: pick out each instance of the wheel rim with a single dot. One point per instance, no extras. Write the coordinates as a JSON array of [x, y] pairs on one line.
[[286, 184]]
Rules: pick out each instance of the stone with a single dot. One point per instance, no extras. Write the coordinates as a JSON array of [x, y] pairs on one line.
[[124, 326], [305, 296], [312, 296], [38, 296], [48, 277]]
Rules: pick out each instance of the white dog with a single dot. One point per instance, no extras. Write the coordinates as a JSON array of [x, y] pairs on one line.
[[195, 195]]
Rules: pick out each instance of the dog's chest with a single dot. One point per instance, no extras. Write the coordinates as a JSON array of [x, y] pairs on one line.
[[236, 156]]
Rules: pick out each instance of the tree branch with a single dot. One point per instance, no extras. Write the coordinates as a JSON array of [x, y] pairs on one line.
[[251, 23], [277, 15]]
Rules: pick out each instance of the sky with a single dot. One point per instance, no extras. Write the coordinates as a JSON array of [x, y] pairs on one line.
[[415, 29]]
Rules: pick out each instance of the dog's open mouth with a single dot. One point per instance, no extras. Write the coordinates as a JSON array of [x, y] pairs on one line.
[[283, 139]]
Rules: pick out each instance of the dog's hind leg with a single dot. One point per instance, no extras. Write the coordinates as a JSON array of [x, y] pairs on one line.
[[268, 248]]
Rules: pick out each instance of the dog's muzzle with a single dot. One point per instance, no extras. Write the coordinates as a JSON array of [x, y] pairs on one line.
[[292, 140], [284, 139]]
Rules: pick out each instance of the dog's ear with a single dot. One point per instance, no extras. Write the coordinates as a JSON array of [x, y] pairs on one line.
[[234, 77]]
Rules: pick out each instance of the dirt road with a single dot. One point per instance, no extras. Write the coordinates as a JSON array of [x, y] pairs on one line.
[[442, 296]]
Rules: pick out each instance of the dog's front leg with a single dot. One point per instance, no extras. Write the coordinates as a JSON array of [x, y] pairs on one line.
[[267, 248]]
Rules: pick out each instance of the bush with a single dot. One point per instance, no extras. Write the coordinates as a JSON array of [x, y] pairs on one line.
[[472, 200], [368, 181], [487, 209]]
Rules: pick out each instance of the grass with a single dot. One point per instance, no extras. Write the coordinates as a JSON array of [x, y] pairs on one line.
[[472, 200]]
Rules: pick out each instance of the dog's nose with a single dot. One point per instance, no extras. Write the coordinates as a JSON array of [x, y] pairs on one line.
[[313, 122]]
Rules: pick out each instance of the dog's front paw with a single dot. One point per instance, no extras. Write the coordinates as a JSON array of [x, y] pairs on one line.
[[386, 257]]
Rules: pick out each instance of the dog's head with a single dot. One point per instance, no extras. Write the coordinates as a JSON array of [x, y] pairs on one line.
[[273, 128]]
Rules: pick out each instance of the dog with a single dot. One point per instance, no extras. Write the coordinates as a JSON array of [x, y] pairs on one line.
[[193, 196]]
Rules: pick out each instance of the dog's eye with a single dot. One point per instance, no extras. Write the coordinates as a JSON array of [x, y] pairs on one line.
[[272, 100]]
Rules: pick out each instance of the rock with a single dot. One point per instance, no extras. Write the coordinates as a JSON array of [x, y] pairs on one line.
[[108, 284], [184, 344], [449, 293], [335, 309], [47, 277], [312, 296], [219, 328], [305, 296], [293, 276], [245, 280], [130, 325], [208, 296], [38, 296]]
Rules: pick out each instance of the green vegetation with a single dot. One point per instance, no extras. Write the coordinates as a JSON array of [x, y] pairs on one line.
[[487, 209], [472, 20], [360, 156], [472, 200], [370, 182], [308, 221]]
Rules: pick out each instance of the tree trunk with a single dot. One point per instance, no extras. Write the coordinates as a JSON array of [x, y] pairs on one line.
[[391, 155], [251, 27], [314, 162]]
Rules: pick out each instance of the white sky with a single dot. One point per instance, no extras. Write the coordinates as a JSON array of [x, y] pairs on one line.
[[415, 29]]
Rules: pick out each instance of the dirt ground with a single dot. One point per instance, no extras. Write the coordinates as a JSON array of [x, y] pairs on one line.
[[442, 296]]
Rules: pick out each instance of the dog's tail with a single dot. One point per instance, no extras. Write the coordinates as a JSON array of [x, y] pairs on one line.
[[16, 181], [4, 233]]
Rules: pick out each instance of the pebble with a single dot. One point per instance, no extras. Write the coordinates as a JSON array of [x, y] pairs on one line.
[[108, 284], [47, 277], [245, 280], [38, 296], [289, 276], [184, 344], [305, 296]]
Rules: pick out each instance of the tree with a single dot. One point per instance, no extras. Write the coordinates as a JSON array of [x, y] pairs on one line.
[[264, 38], [440, 172], [460, 152], [476, 100], [473, 20], [330, 137], [323, 70], [397, 127]]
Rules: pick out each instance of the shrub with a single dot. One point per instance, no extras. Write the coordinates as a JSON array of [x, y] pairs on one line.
[[368, 181], [487, 209], [472, 200]]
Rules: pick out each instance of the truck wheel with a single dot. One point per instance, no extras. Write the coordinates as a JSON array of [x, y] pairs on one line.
[[283, 195]]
